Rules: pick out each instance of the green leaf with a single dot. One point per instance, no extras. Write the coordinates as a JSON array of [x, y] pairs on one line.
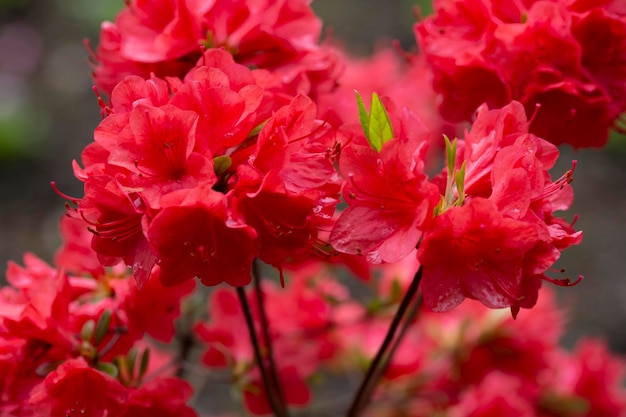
[[221, 164], [108, 368], [131, 358], [102, 327], [145, 360], [564, 404], [450, 154], [375, 305], [45, 368], [363, 115], [379, 126], [460, 184], [396, 291], [86, 332], [257, 129]]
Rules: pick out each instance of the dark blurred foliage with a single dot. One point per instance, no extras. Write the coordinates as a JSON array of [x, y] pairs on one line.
[[48, 113]]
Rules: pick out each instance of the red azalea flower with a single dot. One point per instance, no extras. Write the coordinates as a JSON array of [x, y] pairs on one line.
[[289, 190], [226, 335], [474, 251], [154, 308], [600, 377], [298, 146], [75, 389], [563, 60], [282, 220], [158, 150], [388, 193], [41, 310], [161, 30], [602, 37], [165, 38], [194, 235], [225, 115], [161, 397], [266, 34], [509, 166], [116, 220], [497, 395], [110, 66]]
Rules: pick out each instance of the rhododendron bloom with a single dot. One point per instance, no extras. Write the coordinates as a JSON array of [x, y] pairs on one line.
[[76, 389], [115, 218], [388, 193], [225, 145], [38, 309], [563, 60], [504, 236], [195, 236], [167, 37], [162, 397], [227, 346], [473, 251], [209, 171], [497, 395]]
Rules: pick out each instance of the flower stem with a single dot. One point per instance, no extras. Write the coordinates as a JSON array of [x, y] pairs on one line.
[[410, 318], [273, 374], [380, 362], [271, 395]]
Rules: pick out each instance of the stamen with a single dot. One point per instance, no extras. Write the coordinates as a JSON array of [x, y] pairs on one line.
[[323, 249], [143, 173], [203, 51], [558, 185], [281, 274], [64, 196], [119, 229], [417, 14], [104, 109], [564, 282], [396, 43], [535, 113]]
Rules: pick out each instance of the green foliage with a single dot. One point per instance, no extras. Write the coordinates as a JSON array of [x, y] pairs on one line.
[[376, 124]]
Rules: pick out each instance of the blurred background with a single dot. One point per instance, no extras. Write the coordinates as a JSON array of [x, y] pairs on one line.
[[48, 113]]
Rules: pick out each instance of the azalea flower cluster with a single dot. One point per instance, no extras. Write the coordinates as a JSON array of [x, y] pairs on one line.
[[206, 173], [72, 338], [229, 137], [74, 343], [494, 209], [565, 61], [163, 37], [471, 361], [474, 361]]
